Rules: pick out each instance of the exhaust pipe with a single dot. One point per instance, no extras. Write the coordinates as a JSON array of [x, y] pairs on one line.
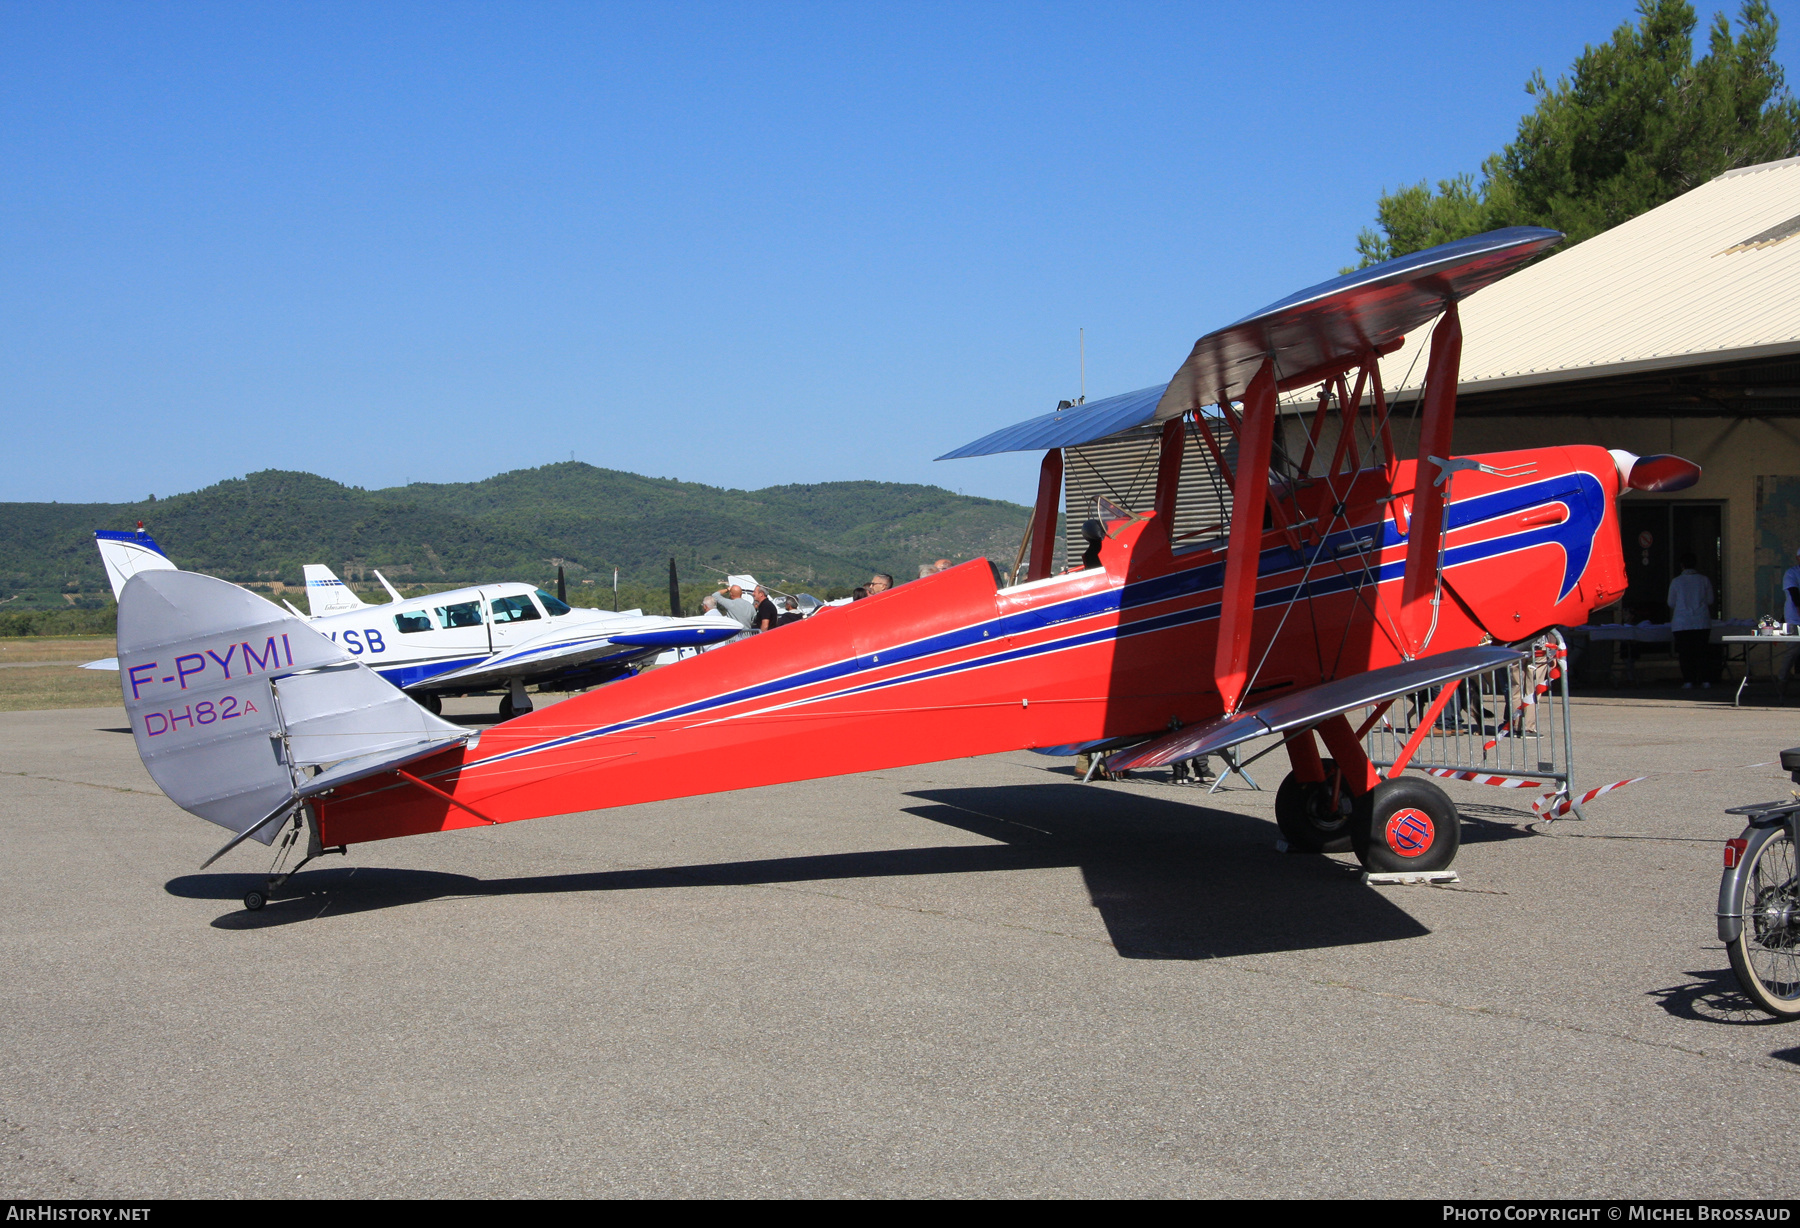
[[1654, 474]]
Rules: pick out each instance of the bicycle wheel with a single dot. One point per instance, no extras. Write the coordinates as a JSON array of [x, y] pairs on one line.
[[1766, 955]]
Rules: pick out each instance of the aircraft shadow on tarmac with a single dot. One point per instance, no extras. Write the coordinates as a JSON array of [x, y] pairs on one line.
[[1172, 879]]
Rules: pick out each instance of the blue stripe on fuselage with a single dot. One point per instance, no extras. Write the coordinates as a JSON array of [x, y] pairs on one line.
[[1580, 491]]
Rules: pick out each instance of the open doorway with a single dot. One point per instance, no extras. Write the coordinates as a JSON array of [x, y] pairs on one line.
[[1656, 533]]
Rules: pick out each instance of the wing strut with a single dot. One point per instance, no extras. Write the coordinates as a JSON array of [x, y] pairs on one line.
[[1419, 589], [1168, 473], [1237, 605], [1043, 519]]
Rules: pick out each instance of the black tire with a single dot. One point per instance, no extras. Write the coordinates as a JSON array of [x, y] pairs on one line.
[[1766, 954], [1406, 824], [253, 901], [433, 704], [506, 709], [1307, 819]]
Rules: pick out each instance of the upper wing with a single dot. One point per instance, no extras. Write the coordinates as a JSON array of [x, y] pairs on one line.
[[1333, 322]]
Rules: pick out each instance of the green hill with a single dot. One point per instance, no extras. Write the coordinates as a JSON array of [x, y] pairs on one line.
[[514, 526]]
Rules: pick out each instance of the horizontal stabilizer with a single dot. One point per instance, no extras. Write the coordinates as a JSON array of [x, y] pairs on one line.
[[1310, 705], [126, 554], [235, 705]]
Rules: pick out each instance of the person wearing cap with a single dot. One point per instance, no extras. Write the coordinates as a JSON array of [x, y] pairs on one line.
[[792, 614], [765, 618]]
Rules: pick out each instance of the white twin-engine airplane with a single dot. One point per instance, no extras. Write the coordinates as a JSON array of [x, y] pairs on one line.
[[488, 637]]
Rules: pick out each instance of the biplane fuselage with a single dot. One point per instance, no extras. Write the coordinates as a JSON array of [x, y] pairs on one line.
[[952, 666]]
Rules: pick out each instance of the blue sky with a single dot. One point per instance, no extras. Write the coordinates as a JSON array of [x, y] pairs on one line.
[[736, 244]]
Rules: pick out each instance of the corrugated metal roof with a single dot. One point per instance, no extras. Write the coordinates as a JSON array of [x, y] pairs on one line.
[[1711, 276]]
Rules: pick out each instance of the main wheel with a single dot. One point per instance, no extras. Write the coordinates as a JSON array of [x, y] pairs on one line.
[[433, 704], [506, 711], [1310, 819], [1766, 955], [1405, 824], [253, 900]]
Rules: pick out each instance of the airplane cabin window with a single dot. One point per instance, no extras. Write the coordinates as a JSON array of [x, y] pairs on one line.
[[552, 604], [462, 614], [513, 609], [409, 623]]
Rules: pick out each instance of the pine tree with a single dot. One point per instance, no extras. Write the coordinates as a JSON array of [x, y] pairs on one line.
[[1638, 122]]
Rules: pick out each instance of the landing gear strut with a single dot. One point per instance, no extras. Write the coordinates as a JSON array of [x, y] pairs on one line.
[[515, 702], [255, 899]]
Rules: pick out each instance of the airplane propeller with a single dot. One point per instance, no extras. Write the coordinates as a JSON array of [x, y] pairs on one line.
[[1655, 474]]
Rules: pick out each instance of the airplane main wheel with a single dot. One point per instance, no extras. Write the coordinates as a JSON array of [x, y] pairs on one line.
[[433, 704], [506, 708], [1406, 824], [1311, 821]]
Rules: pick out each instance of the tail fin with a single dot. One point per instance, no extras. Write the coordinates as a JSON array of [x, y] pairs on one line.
[[326, 594], [126, 554], [241, 712]]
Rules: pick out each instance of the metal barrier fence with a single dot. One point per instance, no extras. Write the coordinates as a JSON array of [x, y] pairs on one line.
[[1509, 727]]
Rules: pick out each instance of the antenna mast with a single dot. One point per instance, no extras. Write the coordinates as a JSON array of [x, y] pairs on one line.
[[1083, 335]]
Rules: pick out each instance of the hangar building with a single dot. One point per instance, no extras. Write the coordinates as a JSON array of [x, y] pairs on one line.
[[1678, 331]]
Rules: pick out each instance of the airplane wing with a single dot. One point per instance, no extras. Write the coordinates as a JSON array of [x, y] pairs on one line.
[[1368, 310], [560, 650], [1310, 705]]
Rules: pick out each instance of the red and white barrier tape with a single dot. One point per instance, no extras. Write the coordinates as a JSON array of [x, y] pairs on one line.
[[1555, 805], [1504, 782]]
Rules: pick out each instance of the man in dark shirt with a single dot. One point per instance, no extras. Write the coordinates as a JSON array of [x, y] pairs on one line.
[[792, 614], [765, 617]]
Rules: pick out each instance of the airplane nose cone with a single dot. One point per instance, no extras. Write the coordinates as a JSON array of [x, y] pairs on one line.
[[1655, 474]]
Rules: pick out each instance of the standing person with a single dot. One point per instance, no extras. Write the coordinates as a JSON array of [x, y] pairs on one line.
[[880, 582], [765, 618], [1790, 588], [1690, 605], [731, 603]]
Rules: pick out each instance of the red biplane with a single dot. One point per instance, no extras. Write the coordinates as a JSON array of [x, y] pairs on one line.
[[1341, 578]]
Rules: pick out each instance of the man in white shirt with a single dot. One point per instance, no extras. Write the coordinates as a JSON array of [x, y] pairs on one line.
[[1690, 604]]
